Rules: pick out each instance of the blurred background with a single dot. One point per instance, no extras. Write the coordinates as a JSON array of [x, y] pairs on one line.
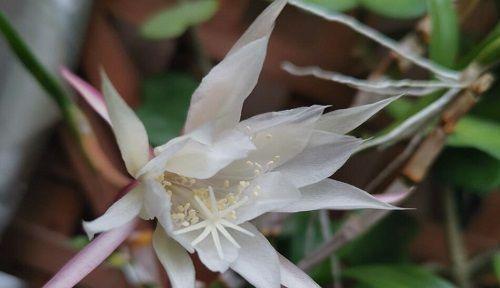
[[157, 51]]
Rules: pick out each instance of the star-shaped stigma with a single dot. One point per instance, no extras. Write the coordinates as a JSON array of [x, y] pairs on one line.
[[215, 221]]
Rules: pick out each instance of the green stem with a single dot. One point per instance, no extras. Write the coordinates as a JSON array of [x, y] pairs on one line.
[[43, 77], [456, 248]]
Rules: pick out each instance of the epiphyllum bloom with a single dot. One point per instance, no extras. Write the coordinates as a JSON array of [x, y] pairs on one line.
[[205, 186]]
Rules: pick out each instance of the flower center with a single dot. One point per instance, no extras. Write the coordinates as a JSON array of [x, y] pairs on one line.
[[216, 216]]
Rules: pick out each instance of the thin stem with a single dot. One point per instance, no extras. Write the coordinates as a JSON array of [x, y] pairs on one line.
[[379, 38], [415, 122], [93, 254], [457, 252], [326, 231], [385, 86]]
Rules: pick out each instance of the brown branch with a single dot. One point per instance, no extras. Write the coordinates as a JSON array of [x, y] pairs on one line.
[[412, 173]]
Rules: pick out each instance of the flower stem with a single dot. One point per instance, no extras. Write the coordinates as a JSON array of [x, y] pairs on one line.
[[93, 254], [458, 255]]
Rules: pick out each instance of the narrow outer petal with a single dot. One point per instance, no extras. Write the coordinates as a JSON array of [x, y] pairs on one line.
[[89, 93], [343, 121], [257, 260], [324, 155], [336, 195], [129, 131], [222, 92], [293, 277], [175, 260], [121, 212], [262, 26]]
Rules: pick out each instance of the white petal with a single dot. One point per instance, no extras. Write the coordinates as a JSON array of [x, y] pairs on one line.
[[331, 194], [156, 200], [272, 191], [262, 26], [156, 166], [324, 155], [343, 121], [278, 136], [129, 130], [202, 161], [222, 92], [208, 253], [121, 212], [293, 277], [257, 261], [175, 260]]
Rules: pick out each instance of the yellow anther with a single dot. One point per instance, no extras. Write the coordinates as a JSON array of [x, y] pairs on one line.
[[269, 135], [226, 183]]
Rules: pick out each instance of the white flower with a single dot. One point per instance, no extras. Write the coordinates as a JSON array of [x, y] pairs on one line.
[[205, 186]]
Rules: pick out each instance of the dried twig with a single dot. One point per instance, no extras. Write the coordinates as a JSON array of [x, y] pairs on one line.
[[414, 171]]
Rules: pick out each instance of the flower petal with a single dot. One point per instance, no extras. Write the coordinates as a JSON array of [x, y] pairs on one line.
[[129, 130], [156, 200], [175, 260], [343, 121], [121, 212], [89, 93], [156, 166], [278, 136], [257, 260], [202, 161], [222, 92], [324, 155], [331, 194], [262, 26], [293, 277], [266, 193]]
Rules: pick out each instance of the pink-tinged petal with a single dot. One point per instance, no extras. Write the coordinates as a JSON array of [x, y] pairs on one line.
[[90, 257], [257, 260], [221, 94], [293, 277], [89, 93], [175, 260], [129, 131]]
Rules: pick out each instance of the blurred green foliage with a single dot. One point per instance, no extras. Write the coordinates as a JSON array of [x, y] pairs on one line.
[[175, 20], [401, 9], [165, 101], [443, 46], [395, 276]]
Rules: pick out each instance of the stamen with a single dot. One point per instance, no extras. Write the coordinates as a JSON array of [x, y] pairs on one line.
[[194, 227], [227, 235], [205, 211], [236, 227], [213, 201], [202, 236], [233, 207], [218, 246]]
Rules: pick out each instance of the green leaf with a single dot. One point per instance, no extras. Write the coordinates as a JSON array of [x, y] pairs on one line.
[[401, 9], [387, 242], [444, 32], [175, 20], [335, 5], [41, 75], [395, 276], [477, 133], [486, 52], [468, 169], [165, 101], [496, 265]]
